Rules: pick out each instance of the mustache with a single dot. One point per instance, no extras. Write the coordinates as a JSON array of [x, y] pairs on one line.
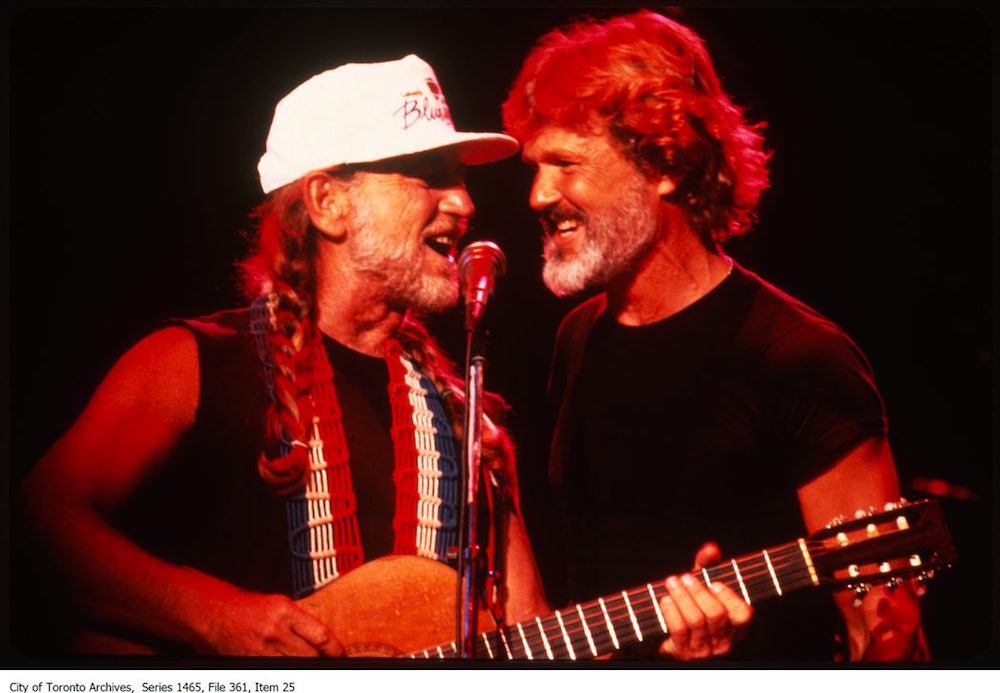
[[448, 224], [550, 218]]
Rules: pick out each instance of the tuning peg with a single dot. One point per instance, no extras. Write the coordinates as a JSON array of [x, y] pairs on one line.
[[839, 520], [859, 593]]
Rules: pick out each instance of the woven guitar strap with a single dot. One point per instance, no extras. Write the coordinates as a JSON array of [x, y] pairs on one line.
[[322, 525]]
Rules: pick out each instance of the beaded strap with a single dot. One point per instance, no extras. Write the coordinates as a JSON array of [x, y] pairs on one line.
[[426, 472], [324, 539]]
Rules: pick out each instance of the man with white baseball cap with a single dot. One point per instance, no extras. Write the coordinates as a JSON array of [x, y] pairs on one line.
[[231, 464]]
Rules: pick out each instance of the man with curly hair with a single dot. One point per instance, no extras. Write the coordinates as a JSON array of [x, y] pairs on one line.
[[698, 406], [231, 464]]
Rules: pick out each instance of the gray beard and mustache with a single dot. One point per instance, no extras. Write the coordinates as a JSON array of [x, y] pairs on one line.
[[617, 239], [401, 277]]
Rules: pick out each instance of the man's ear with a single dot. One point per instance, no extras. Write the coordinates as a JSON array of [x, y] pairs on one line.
[[327, 203]]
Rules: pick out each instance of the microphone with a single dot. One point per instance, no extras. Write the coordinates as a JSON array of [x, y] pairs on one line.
[[479, 266]]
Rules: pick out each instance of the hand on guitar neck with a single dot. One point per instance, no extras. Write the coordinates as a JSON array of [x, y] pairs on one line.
[[702, 621]]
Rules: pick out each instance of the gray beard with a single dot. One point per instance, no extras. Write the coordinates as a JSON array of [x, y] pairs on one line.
[[617, 240], [402, 282]]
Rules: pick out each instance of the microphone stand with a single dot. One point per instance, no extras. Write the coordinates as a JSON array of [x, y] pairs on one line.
[[469, 559], [479, 264]]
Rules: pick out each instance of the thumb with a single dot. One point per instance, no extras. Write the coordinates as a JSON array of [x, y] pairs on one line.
[[707, 555]]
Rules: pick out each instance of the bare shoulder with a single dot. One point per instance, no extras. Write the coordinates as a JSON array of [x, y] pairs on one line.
[[135, 418], [159, 373]]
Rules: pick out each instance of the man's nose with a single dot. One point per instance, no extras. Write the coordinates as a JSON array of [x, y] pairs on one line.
[[544, 192], [456, 200]]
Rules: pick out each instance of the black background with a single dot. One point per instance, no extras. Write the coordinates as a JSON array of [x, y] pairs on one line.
[[135, 135]]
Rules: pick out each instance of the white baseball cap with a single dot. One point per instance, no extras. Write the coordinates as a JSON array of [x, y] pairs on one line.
[[362, 112]]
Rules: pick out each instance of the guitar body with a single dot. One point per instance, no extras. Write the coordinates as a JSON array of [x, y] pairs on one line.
[[390, 607]]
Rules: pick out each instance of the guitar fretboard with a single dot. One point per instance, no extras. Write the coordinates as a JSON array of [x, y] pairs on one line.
[[615, 621]]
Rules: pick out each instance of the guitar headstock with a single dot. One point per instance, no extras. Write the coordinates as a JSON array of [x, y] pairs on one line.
[[883, 546]]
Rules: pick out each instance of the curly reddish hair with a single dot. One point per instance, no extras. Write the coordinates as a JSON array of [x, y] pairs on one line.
[[649, 82]]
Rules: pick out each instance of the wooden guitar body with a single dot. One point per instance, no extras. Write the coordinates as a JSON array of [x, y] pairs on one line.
[[390, 607]]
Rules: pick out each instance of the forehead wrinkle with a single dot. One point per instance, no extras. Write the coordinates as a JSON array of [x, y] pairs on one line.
[[558, 144]]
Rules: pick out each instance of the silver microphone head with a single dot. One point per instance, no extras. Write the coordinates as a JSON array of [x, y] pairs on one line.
[[479, 266], [482, 251]]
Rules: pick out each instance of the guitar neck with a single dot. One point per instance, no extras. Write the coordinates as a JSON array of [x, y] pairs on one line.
[[610, 623]]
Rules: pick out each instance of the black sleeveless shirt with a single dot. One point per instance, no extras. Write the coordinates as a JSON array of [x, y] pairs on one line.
[[207, 507]]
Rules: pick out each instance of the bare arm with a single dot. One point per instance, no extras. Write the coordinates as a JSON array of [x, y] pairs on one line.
[[886, 626], [135, 419], [525, 596]]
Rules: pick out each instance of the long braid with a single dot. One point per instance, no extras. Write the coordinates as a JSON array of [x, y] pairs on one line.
[[280, 279]]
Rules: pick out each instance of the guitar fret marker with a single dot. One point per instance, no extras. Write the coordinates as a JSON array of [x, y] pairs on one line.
[[809, 562], [631, 615], [656, 605], [562, 627], [739, 577], [545, 641], [527, 649], [489, 650], [607, 620], [503, 639], [774, 577], [586, 630]]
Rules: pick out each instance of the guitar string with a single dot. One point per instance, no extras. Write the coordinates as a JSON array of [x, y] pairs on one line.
[[753, 573], [646, 616], [756, 578], [759, 582], [756, 581]]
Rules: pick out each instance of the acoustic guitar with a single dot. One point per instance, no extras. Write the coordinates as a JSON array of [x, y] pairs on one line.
[[404, 606], [414, 614]]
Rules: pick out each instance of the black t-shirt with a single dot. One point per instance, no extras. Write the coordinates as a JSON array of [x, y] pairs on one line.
[[701, 427]]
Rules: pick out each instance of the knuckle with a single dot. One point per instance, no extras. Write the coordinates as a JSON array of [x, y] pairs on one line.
[[718, 622], [699, 624]]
